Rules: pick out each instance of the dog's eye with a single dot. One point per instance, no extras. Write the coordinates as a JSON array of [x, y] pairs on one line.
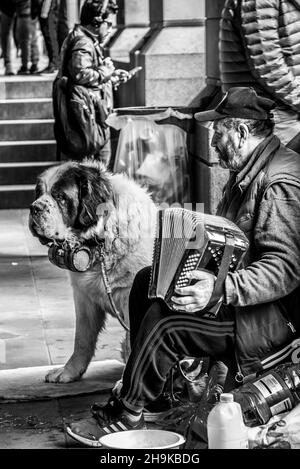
[[61, 198]]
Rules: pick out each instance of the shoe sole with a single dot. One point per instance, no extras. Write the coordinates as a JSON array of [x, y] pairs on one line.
[[92, 443], [154, 416], [84, 441], [48, 73]]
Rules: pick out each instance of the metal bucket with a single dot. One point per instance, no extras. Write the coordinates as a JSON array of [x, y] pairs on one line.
[[143, 439]]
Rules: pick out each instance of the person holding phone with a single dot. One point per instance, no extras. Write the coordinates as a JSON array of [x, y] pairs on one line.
[[83, 61]]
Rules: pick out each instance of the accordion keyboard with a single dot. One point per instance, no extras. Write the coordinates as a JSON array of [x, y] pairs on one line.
[[190, 264], [213, 261], [217, 255]]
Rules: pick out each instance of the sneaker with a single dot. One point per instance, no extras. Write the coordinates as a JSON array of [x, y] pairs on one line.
[[160, 408], [23, 71], [49, 70], [8, 71], [33, 69], [106, 419]]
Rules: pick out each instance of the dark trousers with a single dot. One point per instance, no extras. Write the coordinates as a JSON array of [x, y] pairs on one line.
[[62, 27], [160, 337], [6, 37], [49, 31], [27, 38]]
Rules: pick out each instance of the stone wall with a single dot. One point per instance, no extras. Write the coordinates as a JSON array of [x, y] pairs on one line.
[[173, 57], [166, 38]]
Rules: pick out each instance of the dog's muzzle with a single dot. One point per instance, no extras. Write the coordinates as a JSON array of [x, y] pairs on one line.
[[79, 259]]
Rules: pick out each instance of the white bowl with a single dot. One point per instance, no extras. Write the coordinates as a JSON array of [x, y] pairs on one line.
[[142, 439]]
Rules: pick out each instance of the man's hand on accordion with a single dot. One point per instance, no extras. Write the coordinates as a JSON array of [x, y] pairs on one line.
[[195, 297]]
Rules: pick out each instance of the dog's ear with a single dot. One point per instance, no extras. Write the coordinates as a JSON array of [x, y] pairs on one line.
[[94, 189]]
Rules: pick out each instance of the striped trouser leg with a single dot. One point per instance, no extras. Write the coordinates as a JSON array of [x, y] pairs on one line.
[[164, 338], [139, 303]]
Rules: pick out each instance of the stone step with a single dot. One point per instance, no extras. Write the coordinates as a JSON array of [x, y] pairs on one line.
[[28, 150], [26, 129], [22, 173], [27, 108], [18, 87], [16, 196]]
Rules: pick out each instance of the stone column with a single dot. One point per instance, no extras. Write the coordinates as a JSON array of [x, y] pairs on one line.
[[133, 27], [208, 178], [173, 57], [133, 24], [213, 15]]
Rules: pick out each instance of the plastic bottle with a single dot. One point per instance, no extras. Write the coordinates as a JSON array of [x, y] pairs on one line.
[[225, 425], [269, 394]]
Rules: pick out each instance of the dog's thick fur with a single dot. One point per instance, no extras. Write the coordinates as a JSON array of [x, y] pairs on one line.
[[78, 202]]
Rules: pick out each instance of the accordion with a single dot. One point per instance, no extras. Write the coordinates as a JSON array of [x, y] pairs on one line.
[[186, 241]]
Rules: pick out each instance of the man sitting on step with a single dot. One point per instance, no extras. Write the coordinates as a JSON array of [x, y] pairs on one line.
[[258, 324]]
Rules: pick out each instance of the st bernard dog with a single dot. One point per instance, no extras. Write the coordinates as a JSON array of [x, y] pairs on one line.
[[81, 202]]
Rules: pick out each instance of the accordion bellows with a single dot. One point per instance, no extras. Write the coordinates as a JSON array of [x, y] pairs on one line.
[[186, 241]]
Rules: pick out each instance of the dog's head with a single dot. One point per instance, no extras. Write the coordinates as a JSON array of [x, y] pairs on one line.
[[67, 198]]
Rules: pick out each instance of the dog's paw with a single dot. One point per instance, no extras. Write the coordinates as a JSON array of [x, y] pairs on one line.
[[62, 375]]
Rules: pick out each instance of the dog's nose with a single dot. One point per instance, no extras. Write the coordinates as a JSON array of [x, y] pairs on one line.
[[35, 209]]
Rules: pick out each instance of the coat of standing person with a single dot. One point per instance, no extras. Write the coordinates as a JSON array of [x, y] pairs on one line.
[[259, 47]]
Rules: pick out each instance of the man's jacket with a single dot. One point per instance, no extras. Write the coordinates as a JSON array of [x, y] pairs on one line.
[[86, 66], [264, 201], [259, 47]]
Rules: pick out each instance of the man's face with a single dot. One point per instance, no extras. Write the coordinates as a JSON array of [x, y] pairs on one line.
[[226, 143], [105, 28]]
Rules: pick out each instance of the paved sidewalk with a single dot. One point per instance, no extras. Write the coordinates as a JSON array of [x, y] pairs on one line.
[[36, 306], [41, 424], [37, 329]]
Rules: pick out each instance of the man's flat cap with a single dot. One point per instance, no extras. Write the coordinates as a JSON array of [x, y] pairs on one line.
[[239, 102]]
